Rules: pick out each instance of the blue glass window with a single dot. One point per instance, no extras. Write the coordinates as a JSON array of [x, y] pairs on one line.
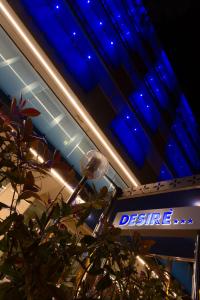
[[165, 71], [184, 140], [132, 136], [100, 28], [176, 159], [66, 36], [157, 89], [189, 121], [165, 174], [144, 105]]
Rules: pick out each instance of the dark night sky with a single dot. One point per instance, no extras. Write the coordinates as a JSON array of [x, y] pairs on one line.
[[177, 23]]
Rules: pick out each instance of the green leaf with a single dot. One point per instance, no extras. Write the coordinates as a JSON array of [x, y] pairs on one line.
[[65, 209], [88, 239], [3, 205], [95, 270], [83, 216], [40, 221], [103, 192], [55, 211], [15, 176], [7, 163], [29, 201], [4, 244], [30, 180], [9, 292], [5, 225], [116, 231], [43, 219], [52, 229], [28, 194], [4, 289], [3, 138], [7, 269], [69, 284], [56, 292], [29, 183], [67, 290], [104, 283], [98, 204]]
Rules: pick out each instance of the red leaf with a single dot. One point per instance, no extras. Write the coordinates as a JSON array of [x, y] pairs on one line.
[[56, 156], [13, 105], [22, 102], [30, 112], [28, 128]]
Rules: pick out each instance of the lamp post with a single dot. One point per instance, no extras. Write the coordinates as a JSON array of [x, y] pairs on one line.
[[94, 165], [106, 214]]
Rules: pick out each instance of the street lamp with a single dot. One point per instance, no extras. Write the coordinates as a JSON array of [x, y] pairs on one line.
[[94, 165]]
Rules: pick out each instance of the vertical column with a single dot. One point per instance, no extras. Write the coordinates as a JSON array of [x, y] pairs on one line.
[[196, 273], [168, 269]]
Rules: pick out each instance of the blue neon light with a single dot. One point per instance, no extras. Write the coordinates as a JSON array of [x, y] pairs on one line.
[[155, 219], [176, 221], [124, 220], [132, 219], [141, 220], [183, 221], [167, 217]]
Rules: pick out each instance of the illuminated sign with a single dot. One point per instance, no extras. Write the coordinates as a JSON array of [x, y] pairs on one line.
[[169, 218]]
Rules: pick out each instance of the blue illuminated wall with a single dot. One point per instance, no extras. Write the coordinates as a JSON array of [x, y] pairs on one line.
[[98, 39]]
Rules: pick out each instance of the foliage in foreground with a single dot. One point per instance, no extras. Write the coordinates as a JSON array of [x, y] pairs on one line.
[[41, 258]]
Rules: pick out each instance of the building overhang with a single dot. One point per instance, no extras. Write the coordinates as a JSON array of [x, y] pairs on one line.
[[44, 66]]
